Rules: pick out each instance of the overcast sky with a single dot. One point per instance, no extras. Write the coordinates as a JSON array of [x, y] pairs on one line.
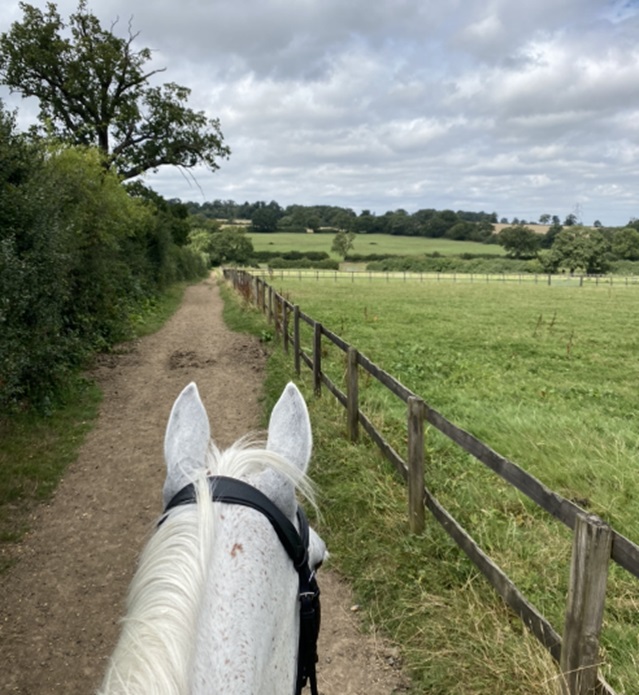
[[520, 107]]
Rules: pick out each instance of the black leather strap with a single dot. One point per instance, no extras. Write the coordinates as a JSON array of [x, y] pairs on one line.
[[234, 491]]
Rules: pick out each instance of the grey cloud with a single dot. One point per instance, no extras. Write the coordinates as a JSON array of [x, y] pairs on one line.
[[521, 108]]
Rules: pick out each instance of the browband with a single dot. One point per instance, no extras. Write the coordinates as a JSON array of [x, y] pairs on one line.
[[234, 491]]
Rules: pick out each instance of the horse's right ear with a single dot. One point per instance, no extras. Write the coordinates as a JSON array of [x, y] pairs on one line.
[[186, 441]]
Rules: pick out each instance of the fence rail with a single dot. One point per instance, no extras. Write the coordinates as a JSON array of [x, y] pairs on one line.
[[353, 276], [574, 651]]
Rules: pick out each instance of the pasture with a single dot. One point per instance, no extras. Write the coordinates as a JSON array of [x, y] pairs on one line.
[[544, 375], [365, 244]]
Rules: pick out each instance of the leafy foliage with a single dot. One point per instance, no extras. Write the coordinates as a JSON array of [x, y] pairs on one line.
[[625, 244], [580, 249], [343, 243], [519, 241], [265, 217], [79, 257], [219, 246], [93, 90]]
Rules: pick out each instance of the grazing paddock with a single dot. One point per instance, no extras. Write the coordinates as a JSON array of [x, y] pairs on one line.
[[546, 377], [365, 244], [353, 273]]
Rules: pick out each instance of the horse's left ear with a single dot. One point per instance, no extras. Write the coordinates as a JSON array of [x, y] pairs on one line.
[[186, 441], [289, 428]]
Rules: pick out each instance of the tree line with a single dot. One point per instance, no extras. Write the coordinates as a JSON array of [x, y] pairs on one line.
[[568, 247], [573, 248], [271, 217]]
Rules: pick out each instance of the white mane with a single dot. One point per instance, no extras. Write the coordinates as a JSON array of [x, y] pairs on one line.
[[155, 653]]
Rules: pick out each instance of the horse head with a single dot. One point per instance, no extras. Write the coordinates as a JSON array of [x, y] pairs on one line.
[[216, 604]]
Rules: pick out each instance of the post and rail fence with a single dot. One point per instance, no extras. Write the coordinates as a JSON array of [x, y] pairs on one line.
[[594, 542], [351, 275]]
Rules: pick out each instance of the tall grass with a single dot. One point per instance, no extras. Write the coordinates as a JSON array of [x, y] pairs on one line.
[[543, 375]]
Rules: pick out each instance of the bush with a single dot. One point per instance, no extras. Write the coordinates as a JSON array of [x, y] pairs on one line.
[[453, 264], [370, 257], [79, 256], [265, 256], [325, 264]]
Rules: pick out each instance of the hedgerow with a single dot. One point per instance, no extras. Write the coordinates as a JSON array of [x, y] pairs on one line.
[[79, 256]]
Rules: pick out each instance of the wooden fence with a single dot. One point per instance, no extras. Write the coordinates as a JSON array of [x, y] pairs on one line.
[[594, 542], [352, 276]]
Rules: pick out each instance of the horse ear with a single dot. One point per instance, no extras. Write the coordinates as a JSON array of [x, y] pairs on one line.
[[186, 441], [289, 428]]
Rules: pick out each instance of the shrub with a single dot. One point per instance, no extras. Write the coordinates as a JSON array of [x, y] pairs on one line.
[[79, 257]]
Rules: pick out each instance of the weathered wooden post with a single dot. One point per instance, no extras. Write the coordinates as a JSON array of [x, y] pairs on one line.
[[592, 543], [276, 314], [270, 304], [317, 358], [416, 464], [285, 324], [296, 339], [352, 404]]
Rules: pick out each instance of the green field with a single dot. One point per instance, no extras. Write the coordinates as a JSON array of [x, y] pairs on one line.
[[546, 376], [370, 243]]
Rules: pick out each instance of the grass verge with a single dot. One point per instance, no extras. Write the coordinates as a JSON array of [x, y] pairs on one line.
[[36, 449]]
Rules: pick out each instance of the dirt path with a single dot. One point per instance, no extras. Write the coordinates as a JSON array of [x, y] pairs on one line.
[[60, 604]]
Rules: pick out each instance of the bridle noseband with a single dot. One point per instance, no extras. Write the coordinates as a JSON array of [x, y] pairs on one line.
[[296, 544]]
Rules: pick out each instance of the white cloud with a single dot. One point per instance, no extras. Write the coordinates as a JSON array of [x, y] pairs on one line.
[[521, 108]]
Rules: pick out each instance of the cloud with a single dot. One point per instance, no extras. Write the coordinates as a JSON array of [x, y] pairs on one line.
[[521, 108]]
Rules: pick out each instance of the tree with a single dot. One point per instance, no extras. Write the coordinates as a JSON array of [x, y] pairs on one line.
[[229, 245], [548, 239], [570, 220], [343, 243], [544, 219], [93, 89], [625, 244], [580, 249], [266, 217], [519, 241]]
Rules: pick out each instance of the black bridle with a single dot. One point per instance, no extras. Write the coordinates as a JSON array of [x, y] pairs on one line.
[[296, 544]]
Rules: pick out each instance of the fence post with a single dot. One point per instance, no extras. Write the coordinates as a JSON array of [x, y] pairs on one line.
[[317, 358], [296, 339], [592, 542], [352, 406], [416, 464], [278, 307], [285, 324], [263, 296], [270, 304]]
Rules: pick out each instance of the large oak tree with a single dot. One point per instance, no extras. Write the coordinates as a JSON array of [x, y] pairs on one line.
[[94, 88]]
